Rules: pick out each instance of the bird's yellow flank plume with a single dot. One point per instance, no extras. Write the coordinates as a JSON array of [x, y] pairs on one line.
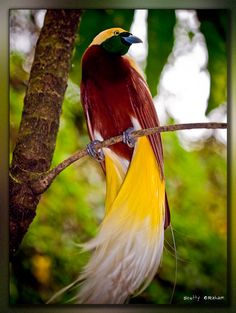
[[129, 245]]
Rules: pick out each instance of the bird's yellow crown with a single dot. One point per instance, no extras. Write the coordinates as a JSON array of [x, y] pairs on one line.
[[106, 34]]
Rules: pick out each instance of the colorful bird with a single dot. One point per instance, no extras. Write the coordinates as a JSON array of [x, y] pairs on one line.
[[128, 247]]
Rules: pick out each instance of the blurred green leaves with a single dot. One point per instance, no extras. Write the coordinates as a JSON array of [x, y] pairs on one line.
[[214, 27], [160, 43]]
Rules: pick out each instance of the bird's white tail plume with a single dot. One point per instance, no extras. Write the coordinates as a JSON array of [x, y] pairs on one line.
[[128, 248]]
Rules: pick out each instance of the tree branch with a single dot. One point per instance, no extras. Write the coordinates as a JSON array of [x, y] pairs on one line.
[[43, 182]]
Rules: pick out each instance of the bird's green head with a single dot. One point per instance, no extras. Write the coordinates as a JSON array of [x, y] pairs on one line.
[[115, 40]]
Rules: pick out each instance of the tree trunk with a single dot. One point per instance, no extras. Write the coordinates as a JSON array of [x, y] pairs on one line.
[[36, 140]]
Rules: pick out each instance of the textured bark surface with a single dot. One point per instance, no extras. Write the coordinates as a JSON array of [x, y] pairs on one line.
[[36, 140]]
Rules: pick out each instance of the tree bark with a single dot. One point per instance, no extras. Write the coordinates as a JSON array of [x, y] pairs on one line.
[[36, 140]]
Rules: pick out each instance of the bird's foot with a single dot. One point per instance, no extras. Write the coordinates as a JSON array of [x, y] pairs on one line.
[[127, 137], [95, 152]]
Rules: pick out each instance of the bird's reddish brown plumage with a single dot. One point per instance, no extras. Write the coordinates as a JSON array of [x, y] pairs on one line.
[[112, 92]]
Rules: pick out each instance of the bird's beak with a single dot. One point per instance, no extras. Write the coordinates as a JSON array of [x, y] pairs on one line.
[[129, 38]]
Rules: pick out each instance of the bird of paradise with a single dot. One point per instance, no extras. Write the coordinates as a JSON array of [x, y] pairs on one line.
[[128, 247]]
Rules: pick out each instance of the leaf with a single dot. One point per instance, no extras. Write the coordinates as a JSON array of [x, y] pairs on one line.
[[213, 27], [160, 42], [92, 23]]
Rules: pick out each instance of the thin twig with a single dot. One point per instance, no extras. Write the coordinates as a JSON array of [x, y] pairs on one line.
[[44, 181]]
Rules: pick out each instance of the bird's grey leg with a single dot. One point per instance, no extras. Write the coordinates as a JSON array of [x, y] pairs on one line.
[[127, 138], [94, 152]]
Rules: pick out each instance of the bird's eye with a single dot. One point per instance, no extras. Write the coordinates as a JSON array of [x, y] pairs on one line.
[[116, 33]]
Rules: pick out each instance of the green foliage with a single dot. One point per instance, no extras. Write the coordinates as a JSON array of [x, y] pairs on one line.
[[160, 42], [214, 28], [197, 195], [71, 210]]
